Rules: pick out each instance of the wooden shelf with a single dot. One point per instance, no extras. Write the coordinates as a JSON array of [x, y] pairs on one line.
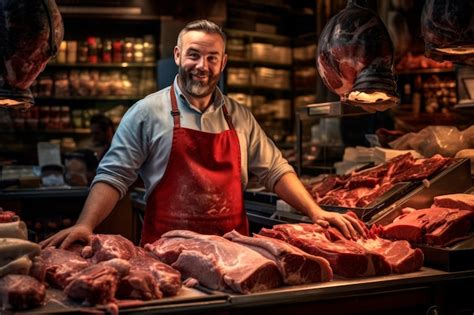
[[103, 65], [424, 71], [88, 98], [84, 131], [255, 63]]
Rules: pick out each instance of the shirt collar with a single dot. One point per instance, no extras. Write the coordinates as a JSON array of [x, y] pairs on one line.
[[218, 96]]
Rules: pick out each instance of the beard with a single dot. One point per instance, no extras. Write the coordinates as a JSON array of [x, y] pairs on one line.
[[198, 88]]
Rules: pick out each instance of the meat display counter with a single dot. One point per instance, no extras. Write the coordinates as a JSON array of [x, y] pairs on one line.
[[428, 291]]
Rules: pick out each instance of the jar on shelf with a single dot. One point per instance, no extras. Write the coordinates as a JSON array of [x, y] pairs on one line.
[[54, 117], [117, 51], [83, 52], [61, 57], [138, 50], [65, 118], [148, 49], [128, 50], [45, 86], [77, 118], [92, 49], [107, 51], [44, 117], [71, 56]]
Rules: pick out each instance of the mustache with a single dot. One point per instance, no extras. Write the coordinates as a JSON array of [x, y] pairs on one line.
[[199, 72]]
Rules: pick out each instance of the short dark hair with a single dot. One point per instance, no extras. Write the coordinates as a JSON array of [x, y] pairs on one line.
[[102, 121], [205, 26]]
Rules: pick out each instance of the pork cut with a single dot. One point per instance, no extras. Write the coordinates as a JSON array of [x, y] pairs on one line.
[[455, 201], [59, 265], [106, 246], [355, 54], [21, 292], [216, 262], [346, 257], [432, 226], [295, 265], [97, 284], [149, 279]]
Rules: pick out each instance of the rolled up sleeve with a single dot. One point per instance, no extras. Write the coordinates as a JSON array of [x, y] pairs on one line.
[[120, 165], [265, 159]]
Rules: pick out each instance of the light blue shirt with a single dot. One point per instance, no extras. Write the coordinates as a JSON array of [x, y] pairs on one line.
[[142, 142]]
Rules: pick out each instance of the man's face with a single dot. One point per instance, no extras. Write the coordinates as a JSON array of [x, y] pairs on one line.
[[201, 60]]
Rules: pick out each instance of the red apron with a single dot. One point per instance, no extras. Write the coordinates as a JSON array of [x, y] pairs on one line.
[[201, 187]]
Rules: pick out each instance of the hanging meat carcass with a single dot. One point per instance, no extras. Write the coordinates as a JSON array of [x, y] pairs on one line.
[[447, 27], [30, 34], [355, 58]]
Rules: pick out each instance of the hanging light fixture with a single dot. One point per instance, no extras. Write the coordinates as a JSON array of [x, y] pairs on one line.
[[355, 58], [30, 34], [447, 27]]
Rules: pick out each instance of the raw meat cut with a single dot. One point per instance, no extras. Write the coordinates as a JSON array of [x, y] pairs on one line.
[[21, 292], [449, 24], [399, 254], [149, 279], [432, 226], [295, 265], [8, 216], [362, 188], [347, 257], [455, 201], [60, 265], [96, 284], [355, 55], [30, 32], [215, 262], [105, 246]]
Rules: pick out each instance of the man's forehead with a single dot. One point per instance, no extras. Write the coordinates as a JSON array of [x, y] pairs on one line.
[[199, 38]]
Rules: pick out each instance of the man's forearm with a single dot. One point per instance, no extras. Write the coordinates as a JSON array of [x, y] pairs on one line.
[[290, 189], [100, 202]]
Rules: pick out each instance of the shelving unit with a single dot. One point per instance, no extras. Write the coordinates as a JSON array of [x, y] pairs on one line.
[[82, 80], [262, 38], [427, 96]]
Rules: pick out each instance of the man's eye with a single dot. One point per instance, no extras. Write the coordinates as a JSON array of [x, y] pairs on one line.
[[194, 56]]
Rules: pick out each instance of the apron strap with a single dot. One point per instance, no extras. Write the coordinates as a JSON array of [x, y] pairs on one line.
[[227, 117], [175, 112], [174, 108]]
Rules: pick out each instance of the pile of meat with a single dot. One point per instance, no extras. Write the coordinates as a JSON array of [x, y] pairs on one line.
[[362, 188], [110, 268], [448, 221], [286, 254]]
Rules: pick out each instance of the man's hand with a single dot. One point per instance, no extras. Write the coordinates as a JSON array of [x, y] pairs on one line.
[[64, 238], [348, 225]]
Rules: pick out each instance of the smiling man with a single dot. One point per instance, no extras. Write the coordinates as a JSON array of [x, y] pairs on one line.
[[193, 148]]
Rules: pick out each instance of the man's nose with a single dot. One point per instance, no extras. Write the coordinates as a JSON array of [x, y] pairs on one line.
[[202, 63]]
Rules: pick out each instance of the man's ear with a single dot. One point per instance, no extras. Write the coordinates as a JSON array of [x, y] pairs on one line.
[[177, 54], [224, 62]]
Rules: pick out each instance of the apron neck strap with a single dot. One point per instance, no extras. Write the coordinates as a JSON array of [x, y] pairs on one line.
[[174, 108], [175, 111]]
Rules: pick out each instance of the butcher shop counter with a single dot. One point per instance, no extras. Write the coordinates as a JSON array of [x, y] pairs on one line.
[[428, 291]]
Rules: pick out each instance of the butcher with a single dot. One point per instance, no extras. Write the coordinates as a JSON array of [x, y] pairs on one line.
[[193, 148]]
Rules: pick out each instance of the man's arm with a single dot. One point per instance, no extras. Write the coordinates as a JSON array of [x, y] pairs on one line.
[[290, 189], [100, 202]]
